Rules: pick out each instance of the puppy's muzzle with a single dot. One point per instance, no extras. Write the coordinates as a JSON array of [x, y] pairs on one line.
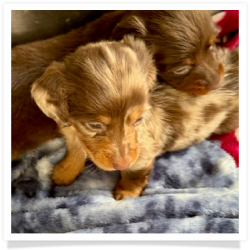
[[203, 86], [122, 164]]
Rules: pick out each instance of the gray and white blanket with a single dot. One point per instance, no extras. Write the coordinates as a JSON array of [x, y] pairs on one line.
[[190, 191]]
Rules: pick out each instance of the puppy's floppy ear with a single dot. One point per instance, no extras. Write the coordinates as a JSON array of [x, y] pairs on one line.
[[130, 25], [145, 57], [50, 94]]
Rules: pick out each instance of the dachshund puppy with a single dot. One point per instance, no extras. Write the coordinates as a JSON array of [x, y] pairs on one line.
[[182, 43], [98, 97], [104, 99]]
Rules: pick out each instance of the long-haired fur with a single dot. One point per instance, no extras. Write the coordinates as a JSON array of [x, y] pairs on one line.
[[104, 99], [182, 43]]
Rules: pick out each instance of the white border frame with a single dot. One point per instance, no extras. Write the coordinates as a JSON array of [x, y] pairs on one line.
[[121, 237]]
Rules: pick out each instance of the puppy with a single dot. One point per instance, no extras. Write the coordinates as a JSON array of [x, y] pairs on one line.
[[98, 96], [182, 43], [104, 100]]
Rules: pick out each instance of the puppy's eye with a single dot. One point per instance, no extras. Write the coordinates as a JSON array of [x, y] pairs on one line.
[[96, 126], [182, 70], [138, 121]]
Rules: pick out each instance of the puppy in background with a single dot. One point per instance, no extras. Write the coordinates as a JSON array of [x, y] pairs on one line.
[[183, 44], [104, 99]]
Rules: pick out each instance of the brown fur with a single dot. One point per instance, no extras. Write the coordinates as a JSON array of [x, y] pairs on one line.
[[176, 38], [104, 99], [109, 82], [216, 112]]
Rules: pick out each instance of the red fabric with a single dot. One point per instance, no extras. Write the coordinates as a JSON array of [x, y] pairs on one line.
[[234, 42], [230, 143], [229, 25]]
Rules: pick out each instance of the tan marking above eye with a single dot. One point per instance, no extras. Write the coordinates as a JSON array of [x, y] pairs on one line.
[[73, 128], [105, 119], [134, 114], [189, 61], [211, 40]]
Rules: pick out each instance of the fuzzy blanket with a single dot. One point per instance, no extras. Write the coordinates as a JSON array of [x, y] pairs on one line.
[[190, 191]]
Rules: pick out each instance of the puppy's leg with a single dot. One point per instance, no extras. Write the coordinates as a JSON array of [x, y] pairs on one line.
[[66, 171], [132, 183]]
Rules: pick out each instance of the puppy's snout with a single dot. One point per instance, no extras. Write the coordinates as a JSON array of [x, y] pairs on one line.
[[121, 164], [201, 84]]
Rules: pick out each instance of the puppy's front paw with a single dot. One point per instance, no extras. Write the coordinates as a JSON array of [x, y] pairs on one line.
[[128, 188], [120, 194], [65, 172]]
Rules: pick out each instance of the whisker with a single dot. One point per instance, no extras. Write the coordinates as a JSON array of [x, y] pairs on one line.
[[90, 168], [99, 170]]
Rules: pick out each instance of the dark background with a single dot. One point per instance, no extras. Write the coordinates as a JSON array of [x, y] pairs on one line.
[[32, 25]]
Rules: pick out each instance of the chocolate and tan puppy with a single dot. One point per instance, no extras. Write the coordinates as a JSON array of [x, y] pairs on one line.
[[182, 43], [106, 103]]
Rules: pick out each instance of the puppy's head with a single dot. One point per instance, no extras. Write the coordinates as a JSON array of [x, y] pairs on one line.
[[102, 92], [183, 43]]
